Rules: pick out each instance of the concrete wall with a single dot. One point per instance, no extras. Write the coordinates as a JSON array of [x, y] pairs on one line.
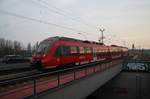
[[83, 87]]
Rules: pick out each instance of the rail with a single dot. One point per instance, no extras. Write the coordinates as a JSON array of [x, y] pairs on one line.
[[46, 74], [86, 69]]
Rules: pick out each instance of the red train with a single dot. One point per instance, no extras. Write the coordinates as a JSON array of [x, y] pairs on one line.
[[62, 51]]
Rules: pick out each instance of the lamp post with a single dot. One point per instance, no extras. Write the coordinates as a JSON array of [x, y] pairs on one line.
[[102, 35], [83, 35]]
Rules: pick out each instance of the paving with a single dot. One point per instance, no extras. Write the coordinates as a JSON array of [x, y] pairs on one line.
[[127, 85]]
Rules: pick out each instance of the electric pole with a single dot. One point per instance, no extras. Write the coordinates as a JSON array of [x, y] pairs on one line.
[[102, 35]]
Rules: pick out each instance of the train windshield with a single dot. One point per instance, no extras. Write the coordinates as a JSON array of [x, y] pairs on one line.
[[44, 46]]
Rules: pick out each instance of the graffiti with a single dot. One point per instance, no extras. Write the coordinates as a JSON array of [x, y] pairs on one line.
[[136, 66]]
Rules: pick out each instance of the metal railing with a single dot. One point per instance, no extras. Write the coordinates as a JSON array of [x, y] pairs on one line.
[[88, 69], [86, 73]]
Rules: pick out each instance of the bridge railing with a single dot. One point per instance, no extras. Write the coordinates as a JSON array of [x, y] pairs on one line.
[[47, 81]]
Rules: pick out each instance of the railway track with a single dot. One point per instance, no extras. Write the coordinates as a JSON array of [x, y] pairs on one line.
[[11, 83], [30, 75], [36, 79], [19, 75], [34, 73], [6, 69], [8, 82]]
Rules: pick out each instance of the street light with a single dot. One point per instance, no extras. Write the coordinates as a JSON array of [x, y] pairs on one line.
[[102, 31], [83, 35]]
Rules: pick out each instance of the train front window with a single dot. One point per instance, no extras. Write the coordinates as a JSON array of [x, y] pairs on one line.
[[43, 47]]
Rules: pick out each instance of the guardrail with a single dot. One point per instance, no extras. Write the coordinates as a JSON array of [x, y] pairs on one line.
[[49, 73], [56, 78]]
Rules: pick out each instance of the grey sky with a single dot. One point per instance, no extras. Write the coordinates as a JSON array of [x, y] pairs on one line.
[[129, 20]]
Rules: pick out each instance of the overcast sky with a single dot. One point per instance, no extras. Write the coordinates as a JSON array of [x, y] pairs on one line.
[[34, 20]]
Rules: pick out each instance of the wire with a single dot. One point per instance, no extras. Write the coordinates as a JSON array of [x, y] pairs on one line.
[[54, 7], [38, 20], [59, 11]]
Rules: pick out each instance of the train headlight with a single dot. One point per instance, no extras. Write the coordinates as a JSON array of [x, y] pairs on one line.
[[44, 56]]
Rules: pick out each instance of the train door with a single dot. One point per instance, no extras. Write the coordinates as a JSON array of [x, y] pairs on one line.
[[109, 53], [58, 54], [94, 54], [66, 58]]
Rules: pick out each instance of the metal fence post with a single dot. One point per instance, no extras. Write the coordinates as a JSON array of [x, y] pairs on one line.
[[58, 77], [34, 87], [94, 69], [85, 71], [74, 74]]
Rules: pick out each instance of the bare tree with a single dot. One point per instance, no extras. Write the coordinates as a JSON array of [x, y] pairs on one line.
[[9, 47]]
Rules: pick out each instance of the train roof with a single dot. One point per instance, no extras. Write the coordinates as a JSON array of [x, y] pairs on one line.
[[56, 38], [119, 46], [71, 39]]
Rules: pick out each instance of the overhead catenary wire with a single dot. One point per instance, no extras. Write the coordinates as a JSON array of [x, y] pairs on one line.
[[61, 12], [56, 8], [38, 20]]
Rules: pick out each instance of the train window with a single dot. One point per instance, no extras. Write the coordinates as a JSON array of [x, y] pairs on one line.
[[98, 54], [78, 50], [43, 47], [102, 54], [82, 51], [94, 50], [106, 53], [66, 50], [91, 50], [58, 51], [73, 49], [88, 50]]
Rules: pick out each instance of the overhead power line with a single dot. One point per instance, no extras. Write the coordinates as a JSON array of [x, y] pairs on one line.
[[61, 12], [38, 20], [56, 8]]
